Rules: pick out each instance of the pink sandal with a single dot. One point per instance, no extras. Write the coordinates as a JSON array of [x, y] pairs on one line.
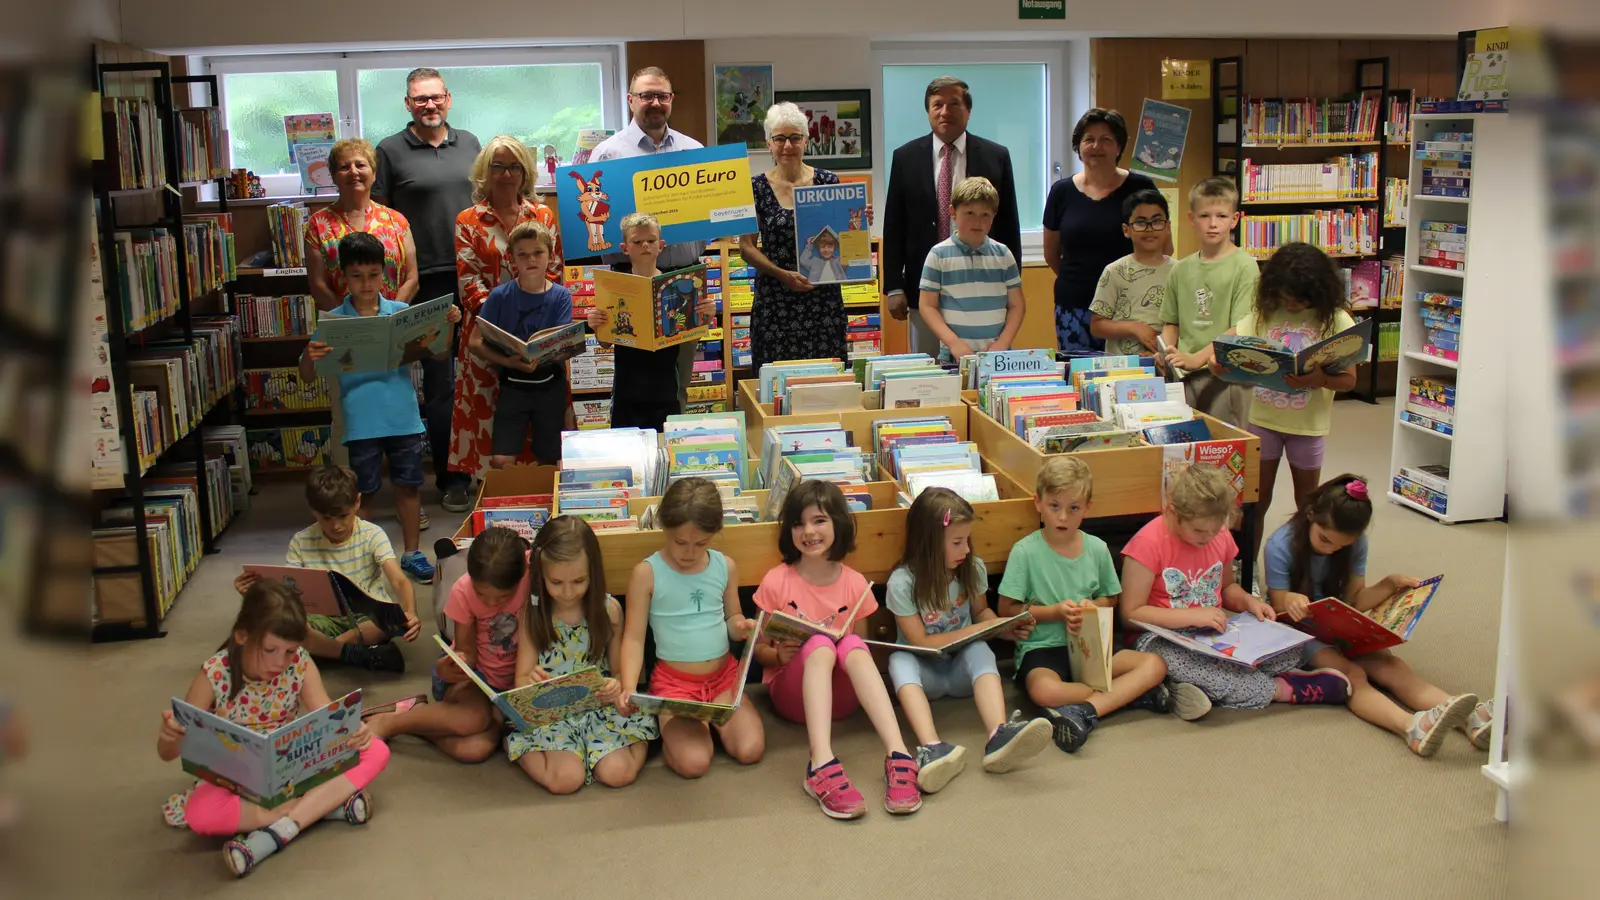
[[398, 706]]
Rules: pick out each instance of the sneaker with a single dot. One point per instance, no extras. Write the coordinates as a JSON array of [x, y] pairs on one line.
[[1479, 726], [1014, 742], [1157, 700], [1317, 686], [1071, 725], [938, 765], [422, 521], [456, 500], [417, 566], [1188, 701], [373, 657], [1429, 726], [832, 790], [900, 794]]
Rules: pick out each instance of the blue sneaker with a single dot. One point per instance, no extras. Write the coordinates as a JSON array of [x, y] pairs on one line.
[[938, 764], [417, 566], [1015, 741], [1071, 724]]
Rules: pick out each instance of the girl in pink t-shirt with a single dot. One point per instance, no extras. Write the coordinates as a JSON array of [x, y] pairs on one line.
[[1177, 573], [822, 679], [484, 605]]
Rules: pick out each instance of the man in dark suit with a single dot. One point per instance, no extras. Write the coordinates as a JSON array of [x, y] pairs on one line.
[[923, 174]]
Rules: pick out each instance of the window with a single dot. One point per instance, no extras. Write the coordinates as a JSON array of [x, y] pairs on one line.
[[542, 96], [1014, 91]]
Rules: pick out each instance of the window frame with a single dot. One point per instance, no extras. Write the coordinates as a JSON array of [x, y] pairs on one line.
[[346, 67], [1053, 56]]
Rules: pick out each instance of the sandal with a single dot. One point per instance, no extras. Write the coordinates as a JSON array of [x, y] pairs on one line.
[[398, 706]]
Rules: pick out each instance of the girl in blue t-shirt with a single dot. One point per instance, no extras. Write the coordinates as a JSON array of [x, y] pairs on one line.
[[1322, 552]]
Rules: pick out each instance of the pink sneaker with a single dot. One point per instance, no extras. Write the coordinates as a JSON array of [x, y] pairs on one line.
[[831, 788], [900, 794]]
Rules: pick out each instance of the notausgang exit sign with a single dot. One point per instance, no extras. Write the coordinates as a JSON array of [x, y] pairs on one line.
[[1041, 9]]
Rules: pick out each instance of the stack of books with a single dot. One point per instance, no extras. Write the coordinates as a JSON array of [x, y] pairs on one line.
[[822, 452], [738, 284], [147, 266], [175, 383], [202, 144], [231, 444], [1427, 486], [1398, 127], [924, 453], [1388, 341], [1443, 245], [708, 385], [1431, 403], [863, 333], [523, 513], [1441, 321], [873, 371], [594, 368], [1396, 202], [1392, 287], [287, 221], [295, 447], [591, 413], [1446, 164], [135, 154], [1336, 232], [773, 378], [208, 243], [172, 522], [1310, 121], [276, 390], [1347, 177], [743, 358], [293, 315], [579, 281], [633, 455]]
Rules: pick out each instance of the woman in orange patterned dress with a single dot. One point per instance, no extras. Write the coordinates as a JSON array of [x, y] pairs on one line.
[[355, 167], [502, 183]]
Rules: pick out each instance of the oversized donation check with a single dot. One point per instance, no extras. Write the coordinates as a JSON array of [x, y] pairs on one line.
[[696, 195]]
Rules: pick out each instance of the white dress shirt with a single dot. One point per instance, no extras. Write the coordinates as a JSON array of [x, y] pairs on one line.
[[958, 162], [630, 142]]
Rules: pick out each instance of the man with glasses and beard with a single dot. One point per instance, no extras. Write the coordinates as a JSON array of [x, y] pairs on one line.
[[424, 172]]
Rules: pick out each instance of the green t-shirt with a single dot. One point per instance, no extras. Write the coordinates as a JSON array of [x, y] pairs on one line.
[[1205, 299], [1130, 291], [1039, 576]]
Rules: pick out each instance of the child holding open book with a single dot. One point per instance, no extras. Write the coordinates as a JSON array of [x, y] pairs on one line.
[[1322, 552], [939, 594], [823, 678], [262, 678], [687, 595], [1056, 574]]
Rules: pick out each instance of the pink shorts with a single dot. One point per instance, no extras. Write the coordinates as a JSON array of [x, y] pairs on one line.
[[786, 691], [1303, 450], [676, 684], [212, 810]]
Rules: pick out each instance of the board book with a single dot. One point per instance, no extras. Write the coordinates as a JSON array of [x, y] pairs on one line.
[[833, 240], [537, 705], [544, 348], [1264, 363], [990, 629], [1246, 641], [269, 768], [652, 313], [782, 626], [324, 592], [714, 713], [1388, 624], [379, 343]]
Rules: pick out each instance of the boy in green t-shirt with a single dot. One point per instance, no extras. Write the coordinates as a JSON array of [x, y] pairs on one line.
[[1055, 573], [1207, 294]]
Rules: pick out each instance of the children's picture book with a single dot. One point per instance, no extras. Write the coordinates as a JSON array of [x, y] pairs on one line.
[[537, 705], [1388, 624], [1264, 363], [782, 626], [833, 241], [545, 348], [378, 343], [651, 313], [524, 520], [714, 713], [1091, 649], [310, 137], [324, 592], [269, 768], [1227, 455], [1178, 433], [1158, 143], [1246, 641], [990, 629]]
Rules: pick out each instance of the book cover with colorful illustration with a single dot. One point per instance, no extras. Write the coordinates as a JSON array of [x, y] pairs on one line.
[[714, 713], [534, 706], [1389, 624], [832, 235], [544, 348], [380, 343], [269, 768], [652, 313], [1264, 363], [1245, 641], [325, 592]]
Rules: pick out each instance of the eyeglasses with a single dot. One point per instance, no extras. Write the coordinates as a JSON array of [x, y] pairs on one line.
[[654, 97], [1148, 225], [514, 168], [791, 139], [429, 100]]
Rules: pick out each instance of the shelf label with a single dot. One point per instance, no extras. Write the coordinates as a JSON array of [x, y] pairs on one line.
[[284, 273]]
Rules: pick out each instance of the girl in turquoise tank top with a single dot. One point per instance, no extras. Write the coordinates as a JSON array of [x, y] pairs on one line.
[[688, 596]]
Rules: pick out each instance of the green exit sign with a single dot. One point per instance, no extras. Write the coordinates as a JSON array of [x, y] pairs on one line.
[[1041, 9]]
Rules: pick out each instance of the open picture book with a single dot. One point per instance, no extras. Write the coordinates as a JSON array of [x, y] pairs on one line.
[[544, 348], [537, 705], [714, 713], [269, 768], [992, 628], [651, 313], [324, 592], [781, 626], [1388, 624], [379, 343], [1264, 363], [1246, 641]]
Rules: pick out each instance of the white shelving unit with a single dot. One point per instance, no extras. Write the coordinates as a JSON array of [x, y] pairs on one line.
[[1488, 287]]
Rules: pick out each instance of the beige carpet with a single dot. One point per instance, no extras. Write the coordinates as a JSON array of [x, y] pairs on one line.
[[1302, 803]]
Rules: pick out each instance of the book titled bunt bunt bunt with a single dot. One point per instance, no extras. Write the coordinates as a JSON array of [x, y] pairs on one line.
[[269, 768], [714, 713], [1262, 362], [1386, 625], [381, 343], [1245, 641], [535, 706], [324, 592], [651, 313], [545, 348], [1442, 245]]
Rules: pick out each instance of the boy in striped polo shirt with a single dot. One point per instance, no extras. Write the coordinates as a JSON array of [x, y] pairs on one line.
[[971, 286]]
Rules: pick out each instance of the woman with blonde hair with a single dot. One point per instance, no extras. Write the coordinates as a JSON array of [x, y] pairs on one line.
[[354, 164], [503, 179]]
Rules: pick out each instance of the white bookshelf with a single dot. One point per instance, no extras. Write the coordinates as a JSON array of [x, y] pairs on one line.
[[1488, 288]]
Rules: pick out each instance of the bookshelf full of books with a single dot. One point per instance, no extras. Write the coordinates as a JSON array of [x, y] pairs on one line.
[[1449, 449]]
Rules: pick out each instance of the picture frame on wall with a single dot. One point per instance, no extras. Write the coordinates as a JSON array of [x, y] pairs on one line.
[[840, 133], [743, 95]]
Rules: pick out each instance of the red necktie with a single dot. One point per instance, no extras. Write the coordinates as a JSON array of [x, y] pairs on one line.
[[946, 172]]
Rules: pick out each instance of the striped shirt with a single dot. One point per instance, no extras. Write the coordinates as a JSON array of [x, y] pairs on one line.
[[359, 559], [972, 285]]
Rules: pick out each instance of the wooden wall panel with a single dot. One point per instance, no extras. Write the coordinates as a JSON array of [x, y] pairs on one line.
[[685, 63]]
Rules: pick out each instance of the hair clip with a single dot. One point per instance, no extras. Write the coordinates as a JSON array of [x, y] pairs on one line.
[[1356, 489], [947, 518]]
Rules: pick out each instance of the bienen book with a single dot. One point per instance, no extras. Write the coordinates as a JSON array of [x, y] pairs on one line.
[[833, 241], [324, 592], [1354, 632], [715, 713], [1245, 641], [544, 348], [651, 313], [269, 768], [1264, 363], [537, 705], [378, 343]]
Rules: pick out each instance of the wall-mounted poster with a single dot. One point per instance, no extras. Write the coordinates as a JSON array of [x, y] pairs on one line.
[[1159, 139], [839, 134], [743, 94]]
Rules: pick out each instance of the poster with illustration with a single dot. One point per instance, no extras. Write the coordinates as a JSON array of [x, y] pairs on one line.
[[743, 93], [833, 240], [1159, 139], [588, 139], [838, 130], [269, 768], [310, 137]]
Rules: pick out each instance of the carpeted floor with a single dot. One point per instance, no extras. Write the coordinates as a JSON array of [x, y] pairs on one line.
[[1303, 803]]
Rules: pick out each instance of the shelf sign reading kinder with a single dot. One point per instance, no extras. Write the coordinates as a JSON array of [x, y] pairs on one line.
[[1185, 79], [1041, 9], [696, 195]]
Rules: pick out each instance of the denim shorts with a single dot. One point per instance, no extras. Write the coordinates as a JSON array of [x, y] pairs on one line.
[[953, 677], [405, 461]]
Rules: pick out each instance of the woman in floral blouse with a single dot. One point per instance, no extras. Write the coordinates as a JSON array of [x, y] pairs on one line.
[[355, 166], [502, 183]]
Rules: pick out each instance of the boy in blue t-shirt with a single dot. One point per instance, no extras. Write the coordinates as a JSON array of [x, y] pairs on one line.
[[529, 396], [381, 418]]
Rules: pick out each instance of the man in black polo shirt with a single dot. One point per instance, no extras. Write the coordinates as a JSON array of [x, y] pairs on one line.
[[424, 172]]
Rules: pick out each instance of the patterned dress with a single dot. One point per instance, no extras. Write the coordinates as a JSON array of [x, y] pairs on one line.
[[327, 226], [482, 262], [590, 735], [786, 324], [260, 706]]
